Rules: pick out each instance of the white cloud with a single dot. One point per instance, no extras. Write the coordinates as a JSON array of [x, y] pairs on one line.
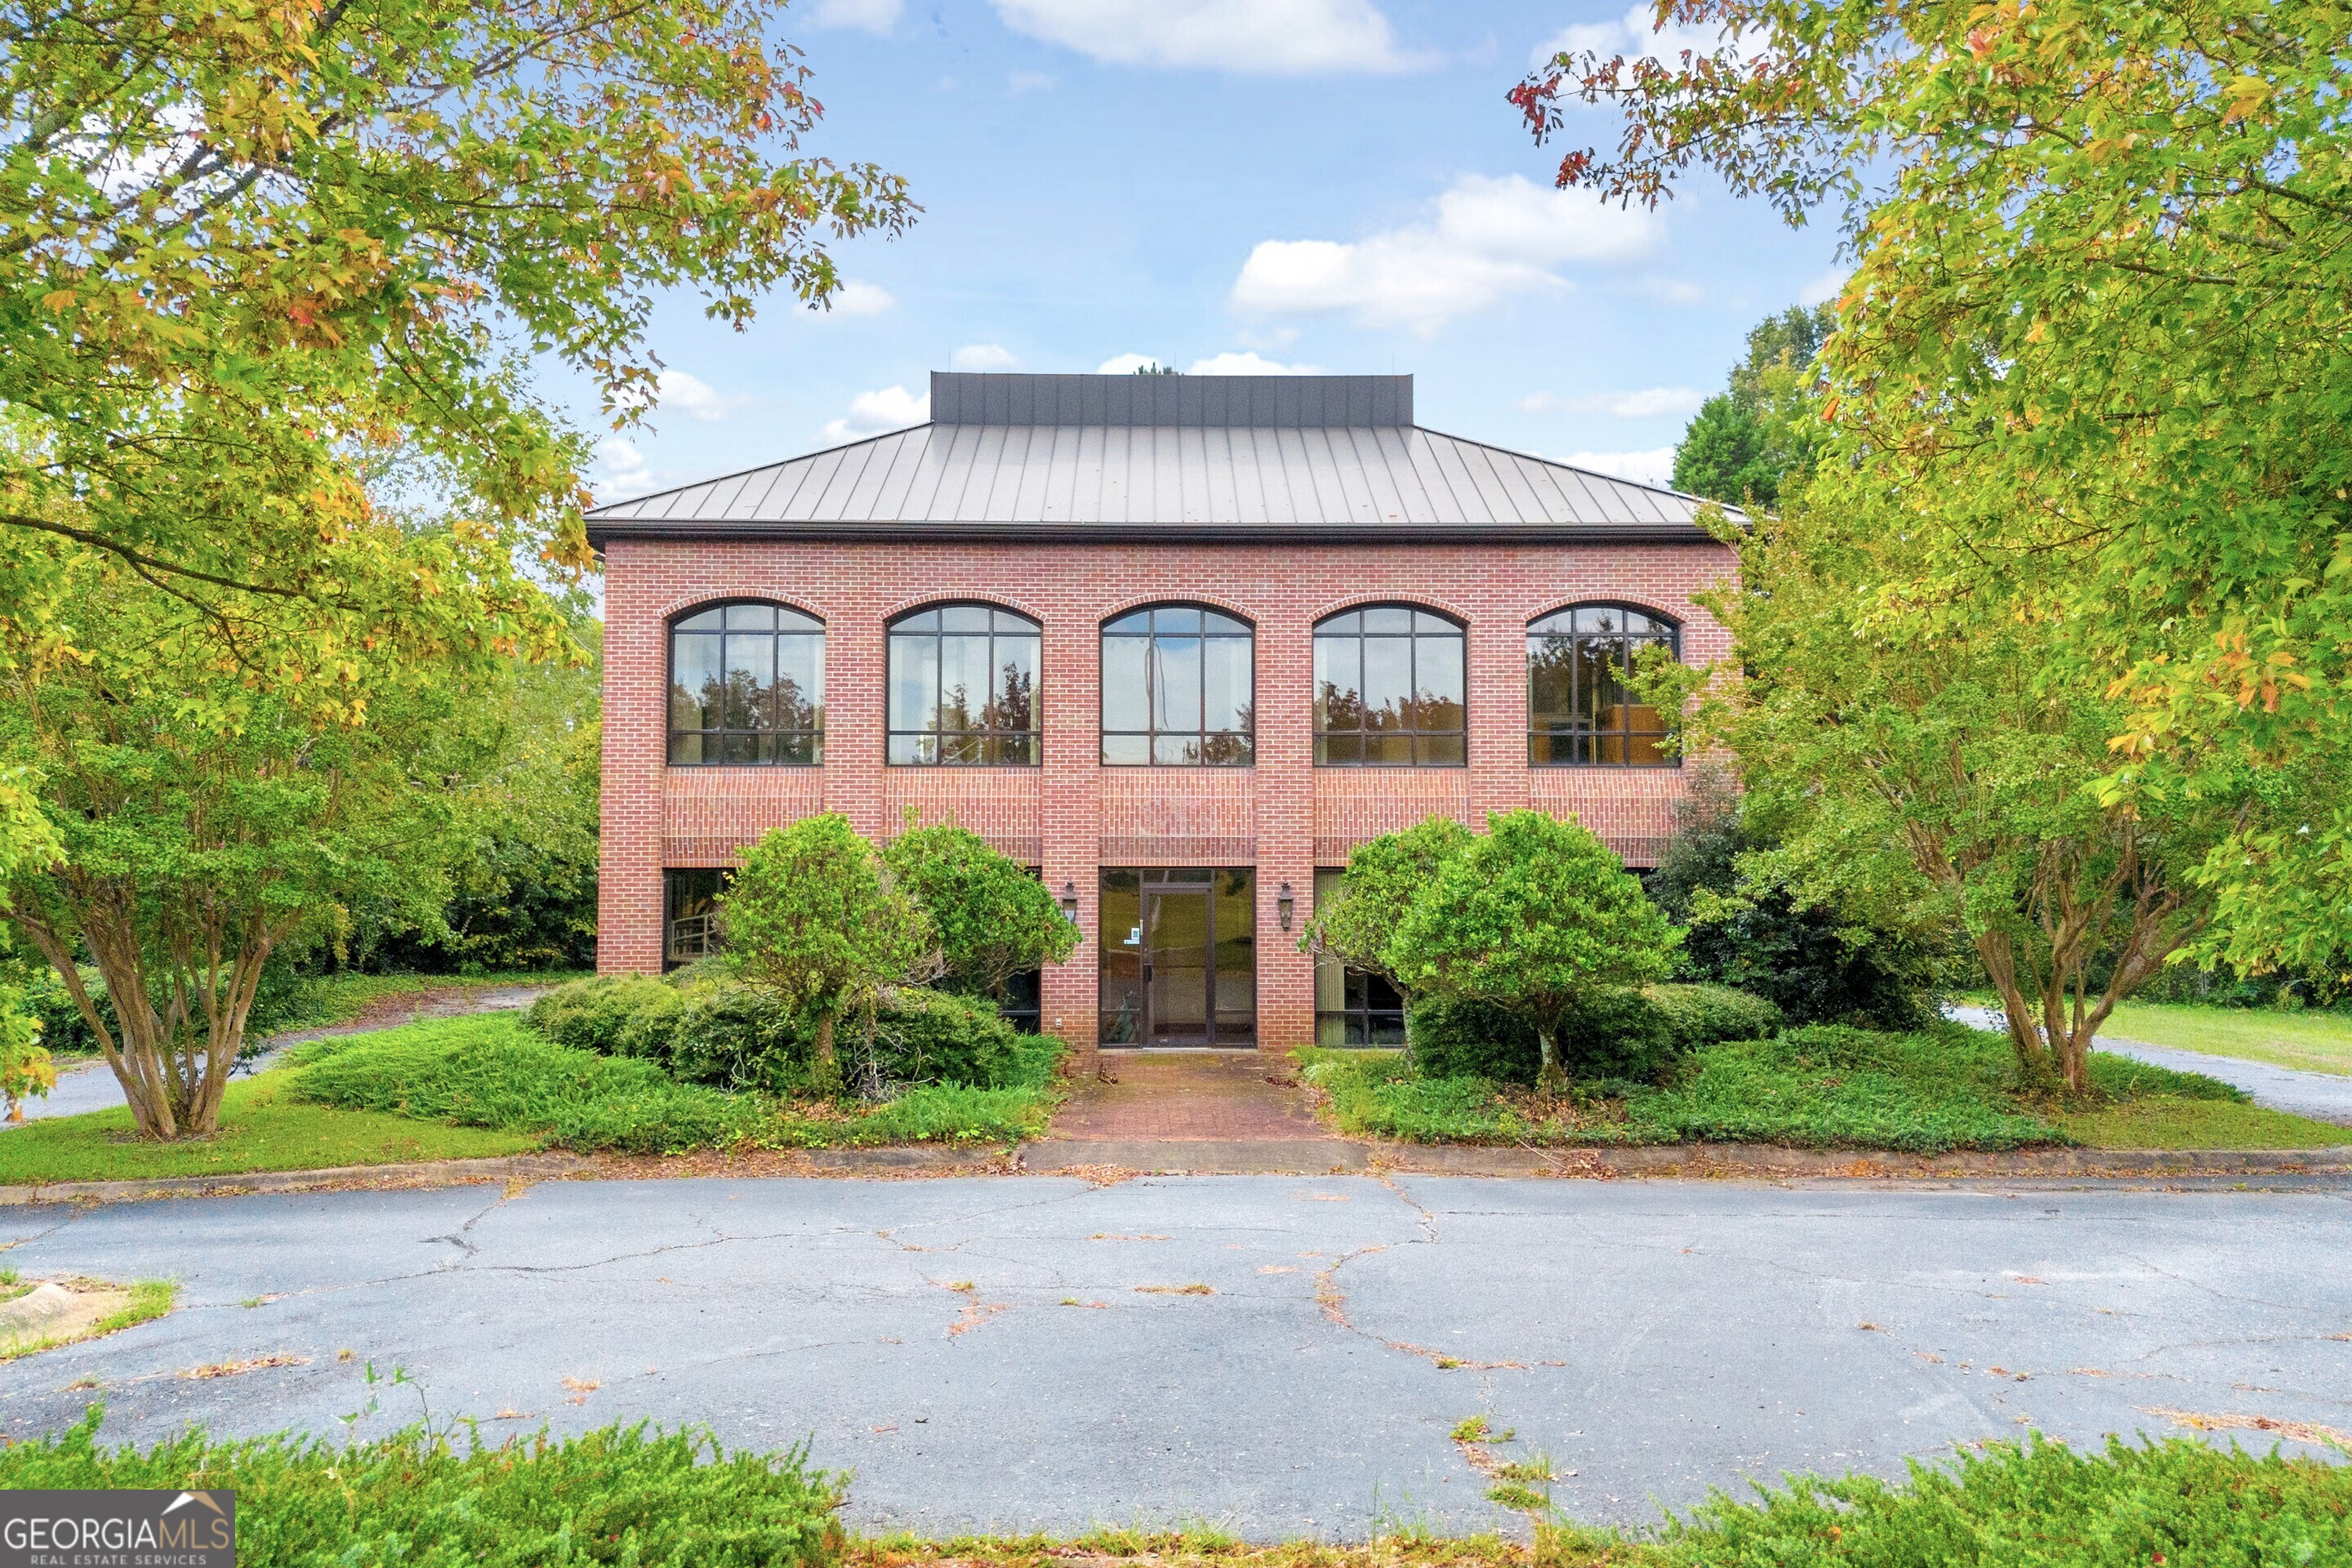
[[1647, 404], [1268, 38], [1247, 362], [1487, 239], [1633, 34], [983, 356], [1654, 467], [1824, 289], [1020, 83], [871, 413], [865, 16], [619, 470], [693, 396], [861, 299], [1125, 364]]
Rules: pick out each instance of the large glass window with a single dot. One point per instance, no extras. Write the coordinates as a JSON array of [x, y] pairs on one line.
[[1178, 956], [746, 686], [690, 915], [1351, 1008], [1176, 689], [1388, 688], [964, 688], [1579, 711]]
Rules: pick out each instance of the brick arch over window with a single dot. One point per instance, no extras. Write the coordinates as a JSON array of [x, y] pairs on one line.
[[1582, 708], [1178, 687], [746, 685], [1390, 687], [963, 687]]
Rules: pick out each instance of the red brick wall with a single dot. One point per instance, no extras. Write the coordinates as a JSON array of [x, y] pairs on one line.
[[1073, 815]]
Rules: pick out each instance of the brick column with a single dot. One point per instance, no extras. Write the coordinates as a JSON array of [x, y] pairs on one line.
[[1069, 815], [629, 835], [1496, 676], [1286, 813], [854, 705]]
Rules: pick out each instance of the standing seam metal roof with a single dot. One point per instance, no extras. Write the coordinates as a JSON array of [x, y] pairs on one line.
[[1277, 457]]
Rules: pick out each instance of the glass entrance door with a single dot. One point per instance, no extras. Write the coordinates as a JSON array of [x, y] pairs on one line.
[[1179, 957]]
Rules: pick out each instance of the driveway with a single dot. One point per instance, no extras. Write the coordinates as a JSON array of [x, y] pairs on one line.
[[1655, 1339]]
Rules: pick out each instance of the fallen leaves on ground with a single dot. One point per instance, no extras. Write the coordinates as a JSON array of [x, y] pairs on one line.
[[239, 1368]]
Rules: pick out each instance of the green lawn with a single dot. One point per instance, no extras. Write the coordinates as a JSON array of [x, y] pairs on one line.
[[2315, 1042], [262, 1129], [327, 1000], [2165, 1121]]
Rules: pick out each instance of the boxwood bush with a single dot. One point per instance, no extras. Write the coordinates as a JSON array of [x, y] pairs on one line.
[[617, 1494], [590, 1015], [1614, 1036]]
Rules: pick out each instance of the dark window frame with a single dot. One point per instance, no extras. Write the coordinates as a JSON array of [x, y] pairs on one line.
[[706, 937], [1239, 746], [993, 740], [1544, 741], [1371, 1014], [812, 737], [1423, 740]]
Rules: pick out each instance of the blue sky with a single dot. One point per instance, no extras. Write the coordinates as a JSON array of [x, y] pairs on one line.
[[1328, 185]]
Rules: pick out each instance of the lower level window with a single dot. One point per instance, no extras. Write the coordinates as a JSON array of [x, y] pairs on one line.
[[690, 912], [1021, 1006], [1351, 1008]]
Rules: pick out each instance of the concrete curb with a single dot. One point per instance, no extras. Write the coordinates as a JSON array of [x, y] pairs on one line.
[[423, 1173], [1269, 1157]]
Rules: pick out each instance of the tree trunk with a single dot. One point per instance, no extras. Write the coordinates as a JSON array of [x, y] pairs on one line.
[[2034, 1061], [1550, 1078], [825, 1037]]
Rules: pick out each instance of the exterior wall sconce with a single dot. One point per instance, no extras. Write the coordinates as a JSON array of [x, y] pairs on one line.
[[1285, 906], [1070, 901]]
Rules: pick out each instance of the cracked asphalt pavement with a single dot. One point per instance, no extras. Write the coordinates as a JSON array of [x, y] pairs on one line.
[[1655, 1339]]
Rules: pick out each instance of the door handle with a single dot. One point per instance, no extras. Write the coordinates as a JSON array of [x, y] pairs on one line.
[[1146, 974]]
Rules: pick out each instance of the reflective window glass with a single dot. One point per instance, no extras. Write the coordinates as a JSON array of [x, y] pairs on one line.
[[1581, 710], [1389, 689], [747, 687], [1177, 689], [964, 689]]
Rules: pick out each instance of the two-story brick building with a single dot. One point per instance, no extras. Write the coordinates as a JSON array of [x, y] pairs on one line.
[[1180, 642]]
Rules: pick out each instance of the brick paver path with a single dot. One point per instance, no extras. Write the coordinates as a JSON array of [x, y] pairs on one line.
[[1208, 1095]]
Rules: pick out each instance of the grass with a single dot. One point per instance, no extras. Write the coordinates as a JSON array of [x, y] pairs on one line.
[[1946, 1088], [617, 1494], [150, 1300], [262, 1128], [2311, 1041], [2039, 1502], [494, 1071]]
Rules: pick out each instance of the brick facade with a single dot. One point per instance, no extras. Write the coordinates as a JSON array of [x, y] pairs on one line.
[[1072, 815]]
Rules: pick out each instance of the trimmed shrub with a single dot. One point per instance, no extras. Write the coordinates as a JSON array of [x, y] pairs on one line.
[[617, 1494], [1706, 1015], [487, 1072], [737, 1036], [590, 1015], [1614, 1034], [931, 1036]]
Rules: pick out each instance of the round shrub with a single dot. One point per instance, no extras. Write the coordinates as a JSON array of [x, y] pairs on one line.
[[590, 1015], [736, 1034], [1606, 1034], [931, 1036], [1706, 1015]]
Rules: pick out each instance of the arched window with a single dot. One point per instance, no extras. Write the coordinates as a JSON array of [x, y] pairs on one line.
[[1580, 712], [745, 687], [1388, 688], [1177, 689], [964, 688]]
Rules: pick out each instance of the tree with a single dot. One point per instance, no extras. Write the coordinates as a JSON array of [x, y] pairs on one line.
[[2095, 334], [190, 853], [1745, 439], [994, 919], [814, 918], [1531, 916], [246, 253], [1935, 772], [1384, 876]]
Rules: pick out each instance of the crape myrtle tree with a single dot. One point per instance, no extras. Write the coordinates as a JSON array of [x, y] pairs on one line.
[[190, 852], [1384, 876], [1531, 916], [993, 920], [2095, 335], [1932, 773], [240, 243], [815, 916]]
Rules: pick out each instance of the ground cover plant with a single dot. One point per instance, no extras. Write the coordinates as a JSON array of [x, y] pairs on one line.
[[616, 1494], [494, 1071], [1820, 1086], [263, 1127]]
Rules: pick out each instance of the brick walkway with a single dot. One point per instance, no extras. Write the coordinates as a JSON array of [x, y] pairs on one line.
[[1187, 1095]]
